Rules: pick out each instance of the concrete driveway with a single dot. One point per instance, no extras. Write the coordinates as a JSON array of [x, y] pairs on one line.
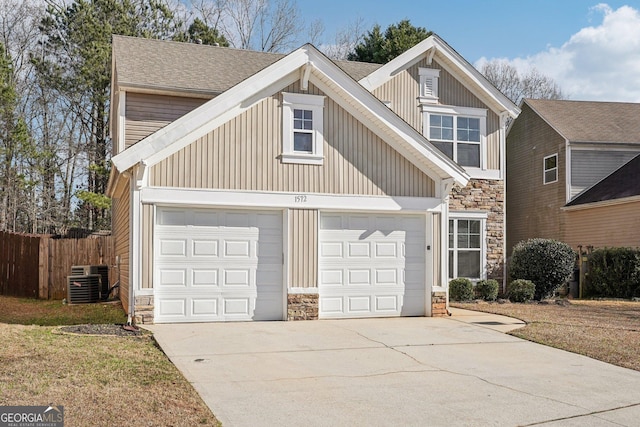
[[395, 372]]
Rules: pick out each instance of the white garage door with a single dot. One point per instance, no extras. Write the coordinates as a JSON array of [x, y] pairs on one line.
[[213, 265], [372, 265]]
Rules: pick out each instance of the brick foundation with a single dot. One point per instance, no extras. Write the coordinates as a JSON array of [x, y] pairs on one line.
[[144, 310], [302, 307], [439, 304]]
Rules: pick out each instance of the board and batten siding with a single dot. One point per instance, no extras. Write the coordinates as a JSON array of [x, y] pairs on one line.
[[243, 154], [147, 243], [533, 208], [303, 252], [403, 90], [604, 226], [121, 231], [146, 113]]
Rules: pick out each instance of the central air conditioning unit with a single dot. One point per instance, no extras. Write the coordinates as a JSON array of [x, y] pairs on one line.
[[83, 289], [101, 270]]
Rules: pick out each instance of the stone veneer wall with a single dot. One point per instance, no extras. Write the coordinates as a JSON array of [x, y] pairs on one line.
[[439, 304], [144, 309], [302, 307], [485, 195]]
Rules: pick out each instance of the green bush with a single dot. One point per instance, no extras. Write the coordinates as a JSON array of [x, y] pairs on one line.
[[521, 290], [614, 273], [487, 289], [547, 263], [461, 289]]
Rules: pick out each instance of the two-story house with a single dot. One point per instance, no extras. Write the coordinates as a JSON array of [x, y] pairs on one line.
[[557, 152], [249, 185]]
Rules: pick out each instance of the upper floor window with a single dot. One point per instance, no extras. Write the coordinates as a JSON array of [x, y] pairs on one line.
[[458, 132], [550, 164], [302, 126], [429, 84]]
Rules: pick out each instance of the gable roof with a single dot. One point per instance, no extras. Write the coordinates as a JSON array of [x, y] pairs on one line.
[[187, 67], [324, 74], [621, 183], [590, 121], [434, 47]]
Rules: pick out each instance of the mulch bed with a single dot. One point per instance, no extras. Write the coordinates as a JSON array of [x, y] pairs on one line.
[[107, 330]]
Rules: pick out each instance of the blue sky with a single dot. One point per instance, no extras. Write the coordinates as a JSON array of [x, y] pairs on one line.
[[591, 48]]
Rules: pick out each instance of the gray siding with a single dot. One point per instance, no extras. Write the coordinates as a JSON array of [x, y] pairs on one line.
[[303, 253], [590, 166]]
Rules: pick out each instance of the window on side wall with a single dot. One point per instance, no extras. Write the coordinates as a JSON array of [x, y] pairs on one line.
[[550, 165], [460, 136], [302, 126], [466, 248]]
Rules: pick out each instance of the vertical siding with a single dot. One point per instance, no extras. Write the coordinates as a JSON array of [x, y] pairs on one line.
[[121, 231], [147, 244], [303, 255], [146, 113], [243, 154], [606, 226], [404, 89], [533, 209]]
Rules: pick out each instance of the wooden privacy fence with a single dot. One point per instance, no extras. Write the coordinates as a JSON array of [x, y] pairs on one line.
[[37, 266]]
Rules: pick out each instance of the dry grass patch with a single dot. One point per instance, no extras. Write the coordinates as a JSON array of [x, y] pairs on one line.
[[100, 381], [604, 330]]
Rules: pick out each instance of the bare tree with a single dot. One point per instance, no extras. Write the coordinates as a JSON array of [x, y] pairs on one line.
[[265, 25], [516, 86], [345, 40]]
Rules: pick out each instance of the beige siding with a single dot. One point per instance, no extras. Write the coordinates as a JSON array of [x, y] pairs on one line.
[[121, 232], [243, 154], [147, 244], [303, 253], [533, 209], [607, 226], [146, 113], [404, 89]]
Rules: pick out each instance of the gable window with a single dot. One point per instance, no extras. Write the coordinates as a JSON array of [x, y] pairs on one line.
[[458, 132], [466, 249], [550, 164], [302, 126]]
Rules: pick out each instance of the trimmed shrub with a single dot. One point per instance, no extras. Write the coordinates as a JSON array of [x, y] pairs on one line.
[[614, 273], [461, 289], [547, 263], [487, 289], [521, 290]]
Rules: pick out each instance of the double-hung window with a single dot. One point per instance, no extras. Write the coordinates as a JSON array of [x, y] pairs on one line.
[[459, 132], [302, 126], [550, 165], [466, 247]]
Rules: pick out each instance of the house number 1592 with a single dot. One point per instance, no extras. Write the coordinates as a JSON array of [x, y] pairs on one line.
[[301, 198]]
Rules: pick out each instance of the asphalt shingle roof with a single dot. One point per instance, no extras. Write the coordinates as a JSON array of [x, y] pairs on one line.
[[161, 64], [590, 121]]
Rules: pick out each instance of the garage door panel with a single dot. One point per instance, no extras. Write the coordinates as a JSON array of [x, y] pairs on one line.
[[369, 265], [218, 265]]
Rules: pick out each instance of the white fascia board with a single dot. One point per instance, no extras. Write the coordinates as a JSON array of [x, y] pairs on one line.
[[356, 100], [601, 204], [280, 200], [213, 113]]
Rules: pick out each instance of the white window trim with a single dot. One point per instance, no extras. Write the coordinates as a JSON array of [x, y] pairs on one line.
[[482, 217], [450, 110], [544, 170], [315, 103], [427, 74]]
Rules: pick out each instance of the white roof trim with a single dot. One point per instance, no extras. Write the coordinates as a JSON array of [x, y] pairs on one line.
[[484, 89], [219, 110]]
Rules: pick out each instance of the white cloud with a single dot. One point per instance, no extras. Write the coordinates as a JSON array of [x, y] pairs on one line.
[[598, 63]]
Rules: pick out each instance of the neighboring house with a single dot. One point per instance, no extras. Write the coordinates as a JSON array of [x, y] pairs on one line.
[[260, 186], [608, 213], [561, 159]]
